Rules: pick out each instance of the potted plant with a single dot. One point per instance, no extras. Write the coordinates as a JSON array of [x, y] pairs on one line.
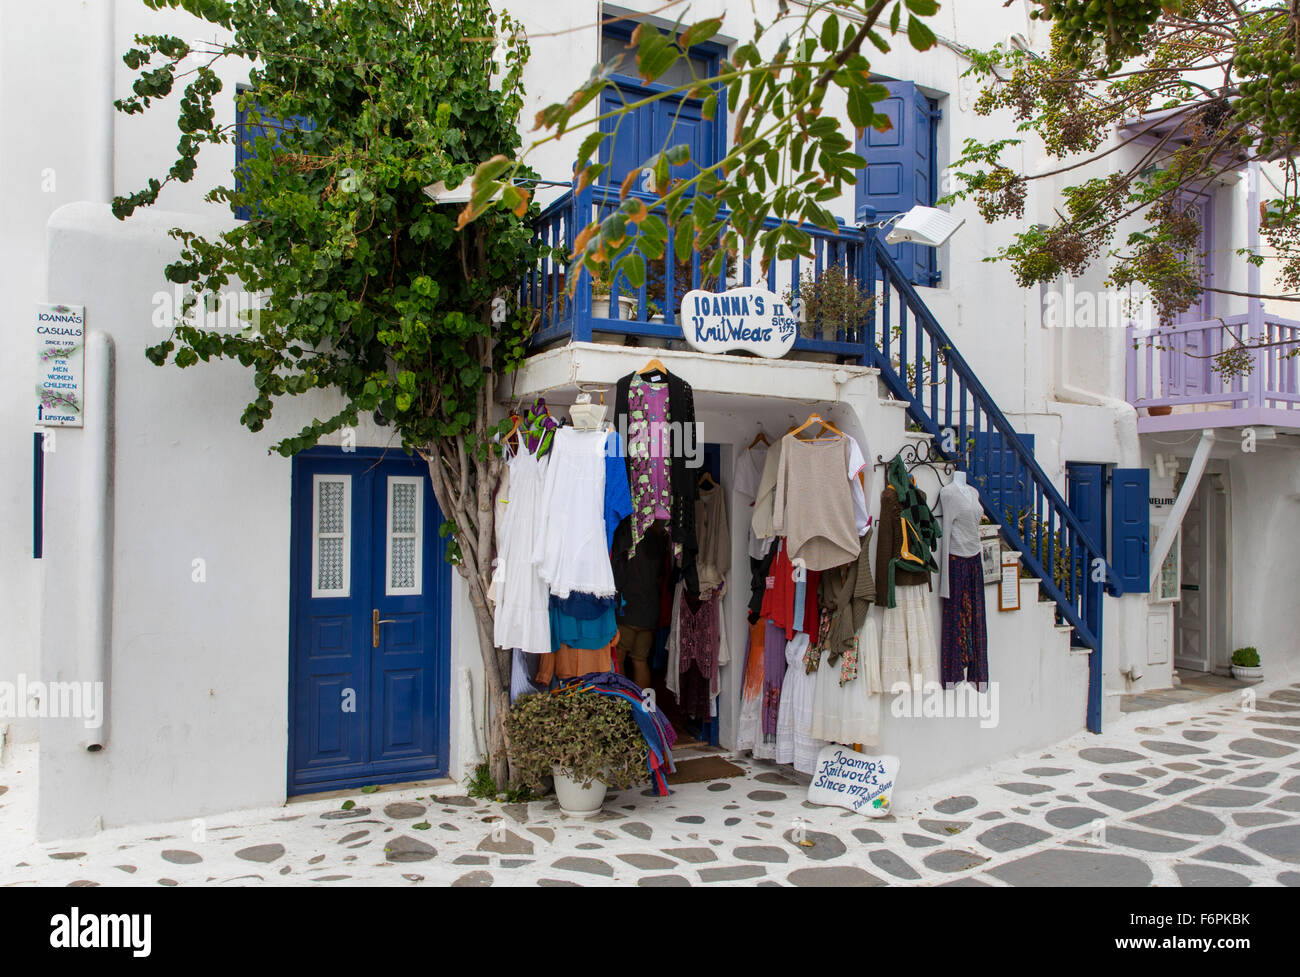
[[600, 304], [1245, 665], [656, 288], [586, 741], [833, 303]]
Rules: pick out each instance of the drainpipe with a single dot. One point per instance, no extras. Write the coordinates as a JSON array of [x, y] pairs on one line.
[[101, 117], [1254, 304], [1125, 421], [1165, 541], [95, 638]]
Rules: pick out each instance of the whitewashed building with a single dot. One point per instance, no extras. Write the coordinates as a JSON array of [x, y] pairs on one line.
[[160, 549]]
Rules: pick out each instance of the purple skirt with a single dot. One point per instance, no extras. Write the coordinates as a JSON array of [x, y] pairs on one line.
[[965, 647]]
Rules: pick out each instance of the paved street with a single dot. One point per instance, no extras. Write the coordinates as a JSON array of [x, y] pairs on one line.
[[1199, 794]]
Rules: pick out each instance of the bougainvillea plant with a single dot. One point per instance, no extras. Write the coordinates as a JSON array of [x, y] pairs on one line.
[[372, 298]]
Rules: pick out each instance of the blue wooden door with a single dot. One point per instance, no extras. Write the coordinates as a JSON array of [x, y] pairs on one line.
[[902, 171], [369, 631], [639, 135]]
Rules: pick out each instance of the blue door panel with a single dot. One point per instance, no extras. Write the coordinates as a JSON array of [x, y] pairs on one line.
[[997, 466], [361, 714], [901, 170], [639, 135]]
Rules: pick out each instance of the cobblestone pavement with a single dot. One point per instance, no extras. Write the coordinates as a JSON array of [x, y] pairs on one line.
[[1206, 794]]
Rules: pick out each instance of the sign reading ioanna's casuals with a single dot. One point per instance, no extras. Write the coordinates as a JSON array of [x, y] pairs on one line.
[[749, 318], [60, 360], [847, 778]]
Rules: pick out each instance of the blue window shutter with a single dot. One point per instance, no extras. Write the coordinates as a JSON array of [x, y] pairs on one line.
[[246, 136], [1130, 528], [1086, 497], [900, 171]]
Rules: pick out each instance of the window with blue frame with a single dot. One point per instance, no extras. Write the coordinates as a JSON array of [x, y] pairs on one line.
[[247, 134], [902, 170], [640, 134]]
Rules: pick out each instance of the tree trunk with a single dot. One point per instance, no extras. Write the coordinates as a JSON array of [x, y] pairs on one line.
[[464, 484]]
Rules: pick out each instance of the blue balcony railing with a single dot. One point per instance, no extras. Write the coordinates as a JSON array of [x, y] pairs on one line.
[[576, 314]]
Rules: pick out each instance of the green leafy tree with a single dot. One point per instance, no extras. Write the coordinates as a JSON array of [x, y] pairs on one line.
[[372, 298], [1226, 78]]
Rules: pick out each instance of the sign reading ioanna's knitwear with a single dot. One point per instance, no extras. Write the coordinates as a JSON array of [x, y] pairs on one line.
[[60, 356], [749, 318], [847, 778]]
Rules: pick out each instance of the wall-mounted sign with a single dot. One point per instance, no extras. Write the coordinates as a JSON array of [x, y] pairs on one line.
[[1009, 583], [60, 362], [749, 318], [847, 778]]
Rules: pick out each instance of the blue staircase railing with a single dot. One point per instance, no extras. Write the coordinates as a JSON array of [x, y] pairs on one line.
[[920, 366]]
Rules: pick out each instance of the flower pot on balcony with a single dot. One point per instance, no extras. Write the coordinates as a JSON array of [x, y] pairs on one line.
[[1160, 410], [600, 306]]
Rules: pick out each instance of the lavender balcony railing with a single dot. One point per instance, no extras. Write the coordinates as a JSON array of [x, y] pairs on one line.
[[1173, 366], [652, 309]]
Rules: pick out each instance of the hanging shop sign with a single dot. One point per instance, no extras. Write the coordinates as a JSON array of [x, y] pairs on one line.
[[749, 318], [60, 364], [847, 778]]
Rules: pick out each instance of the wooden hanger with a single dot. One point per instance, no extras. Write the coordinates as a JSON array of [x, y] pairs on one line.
[[760, 436], [817, 419], [708, 476], [654, 364]]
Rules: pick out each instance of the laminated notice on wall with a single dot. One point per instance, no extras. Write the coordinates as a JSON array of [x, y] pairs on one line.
[[60, 362], [847, 778]]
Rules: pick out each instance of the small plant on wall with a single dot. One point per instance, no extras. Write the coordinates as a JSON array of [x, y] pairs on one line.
[[831, 304]]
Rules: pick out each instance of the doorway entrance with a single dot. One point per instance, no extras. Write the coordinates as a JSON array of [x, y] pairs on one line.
[[1201, 615], [369, 622]]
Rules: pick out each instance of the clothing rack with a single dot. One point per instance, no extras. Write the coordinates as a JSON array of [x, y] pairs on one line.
[[919, 455]]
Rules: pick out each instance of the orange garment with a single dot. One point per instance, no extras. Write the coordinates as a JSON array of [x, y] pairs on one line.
[[571, 662], [754, 667]]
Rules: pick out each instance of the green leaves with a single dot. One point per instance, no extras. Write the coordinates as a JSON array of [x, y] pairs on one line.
[[921, 37], [655, 52]]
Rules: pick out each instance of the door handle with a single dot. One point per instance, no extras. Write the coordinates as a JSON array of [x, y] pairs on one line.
[[374, 626]]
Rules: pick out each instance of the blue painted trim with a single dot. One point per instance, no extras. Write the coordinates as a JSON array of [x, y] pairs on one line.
[[38, 494]]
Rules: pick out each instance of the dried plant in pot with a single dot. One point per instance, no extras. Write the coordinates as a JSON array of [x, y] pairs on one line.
[[834, 303], [586, 741]]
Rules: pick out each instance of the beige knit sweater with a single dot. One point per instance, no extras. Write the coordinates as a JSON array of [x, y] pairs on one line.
[[813, 504]]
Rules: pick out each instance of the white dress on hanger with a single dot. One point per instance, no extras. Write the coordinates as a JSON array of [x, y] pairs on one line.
[[522, 601], [850, 713], [571, 548], [794, 740]]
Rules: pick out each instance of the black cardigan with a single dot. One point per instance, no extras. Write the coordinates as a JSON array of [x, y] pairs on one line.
[[682, 484]]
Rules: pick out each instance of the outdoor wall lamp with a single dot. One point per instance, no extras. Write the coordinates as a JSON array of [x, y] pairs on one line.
[[927, 226]]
